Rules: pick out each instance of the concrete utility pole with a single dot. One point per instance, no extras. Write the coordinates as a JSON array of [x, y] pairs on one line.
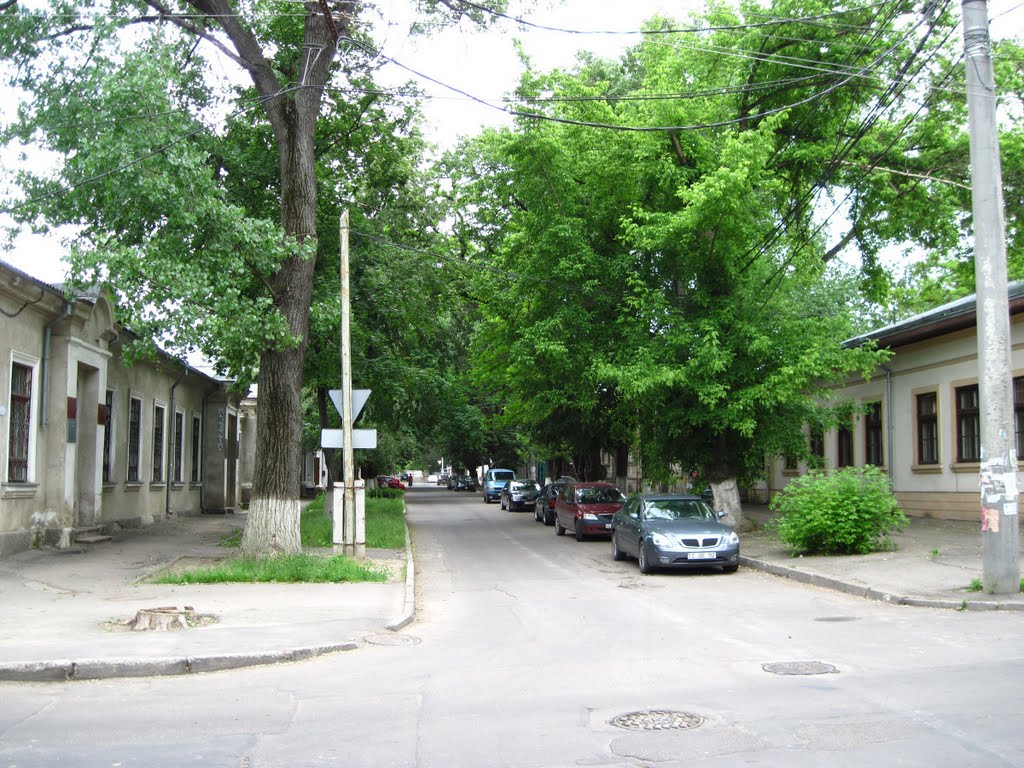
[[348, 454], [1000, 528]]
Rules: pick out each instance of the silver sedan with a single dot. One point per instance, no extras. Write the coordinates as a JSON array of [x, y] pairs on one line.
[[673, 531]]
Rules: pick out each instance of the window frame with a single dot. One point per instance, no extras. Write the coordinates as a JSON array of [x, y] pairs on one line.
[[844, 446], [29, 403], [970, 418], [927, 438], [196, 473], [109, 456], [874, 433], [159, 432], [179, 449], [133, 463]]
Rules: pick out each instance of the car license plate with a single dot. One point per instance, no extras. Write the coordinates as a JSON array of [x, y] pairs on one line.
[[701, 556]]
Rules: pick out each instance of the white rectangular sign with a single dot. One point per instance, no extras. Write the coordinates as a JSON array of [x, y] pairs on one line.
[[362, 439]]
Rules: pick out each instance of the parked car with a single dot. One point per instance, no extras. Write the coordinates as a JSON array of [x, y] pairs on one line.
[[673, 531], [587, 508], [519, 494], [465, 483], [494, 481], [443, 478], [544, 511], [387, 481]]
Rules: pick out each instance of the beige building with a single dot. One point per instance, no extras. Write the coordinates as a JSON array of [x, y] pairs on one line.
[[89, 442], [919, 416]]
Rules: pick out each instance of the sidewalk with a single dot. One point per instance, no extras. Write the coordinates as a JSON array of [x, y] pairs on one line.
[[63, 609], [932, 566]]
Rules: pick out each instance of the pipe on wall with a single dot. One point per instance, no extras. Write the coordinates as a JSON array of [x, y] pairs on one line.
[[44, 399]]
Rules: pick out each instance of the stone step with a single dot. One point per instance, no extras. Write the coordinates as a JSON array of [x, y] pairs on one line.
[[90, 536]]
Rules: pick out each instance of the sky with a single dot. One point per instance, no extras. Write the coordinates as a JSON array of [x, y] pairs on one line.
[[485, 66]]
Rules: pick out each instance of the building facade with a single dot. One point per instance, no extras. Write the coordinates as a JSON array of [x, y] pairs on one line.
[[89, 442], [919, 416]]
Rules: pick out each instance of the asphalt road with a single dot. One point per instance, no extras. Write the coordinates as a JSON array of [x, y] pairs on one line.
[[528, 646]]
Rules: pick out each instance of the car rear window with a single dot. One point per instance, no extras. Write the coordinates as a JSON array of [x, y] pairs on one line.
[[599, 496]]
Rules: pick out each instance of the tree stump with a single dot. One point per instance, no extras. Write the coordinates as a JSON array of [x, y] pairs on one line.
[[164, 619]]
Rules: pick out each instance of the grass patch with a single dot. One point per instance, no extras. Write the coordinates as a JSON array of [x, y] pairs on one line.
[[315, 528], [288, 570], [977, 586], [385, 524], [233, 539]]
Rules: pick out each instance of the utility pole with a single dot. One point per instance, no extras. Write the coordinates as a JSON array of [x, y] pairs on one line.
[[1000, 527], [348, 454]]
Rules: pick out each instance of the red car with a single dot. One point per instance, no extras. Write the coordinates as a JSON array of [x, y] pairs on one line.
[[386, 481], [587, 509]]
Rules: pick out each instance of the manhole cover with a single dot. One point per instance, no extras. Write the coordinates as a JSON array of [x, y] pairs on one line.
[[657, 720], [799, 668], [392, 639], [837, 618]]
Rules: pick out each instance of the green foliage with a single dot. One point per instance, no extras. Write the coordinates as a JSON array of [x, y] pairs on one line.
[[287, 569], [849, 511]]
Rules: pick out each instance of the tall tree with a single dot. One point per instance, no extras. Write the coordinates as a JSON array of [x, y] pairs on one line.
[[125, 93], [668, 231]]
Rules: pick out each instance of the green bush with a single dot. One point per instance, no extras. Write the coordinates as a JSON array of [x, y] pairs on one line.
[[846, 512]]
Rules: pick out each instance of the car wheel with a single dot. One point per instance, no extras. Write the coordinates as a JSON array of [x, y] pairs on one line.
[[617, 554], [578, 530], [549, 518], [642, 558], [487, 499], [559, 528], [730, 568], [536, 515]]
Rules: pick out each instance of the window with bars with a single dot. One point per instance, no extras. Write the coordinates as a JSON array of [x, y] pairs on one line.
[[19, 441], [927, 428], [874, 452], [196, 432], [179, 435], [108, 437], [158, 443], [134, 438], [968, 424]]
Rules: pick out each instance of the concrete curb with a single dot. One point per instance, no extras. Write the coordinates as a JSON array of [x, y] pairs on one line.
[[409, 599], [859, 590], [99, 669]]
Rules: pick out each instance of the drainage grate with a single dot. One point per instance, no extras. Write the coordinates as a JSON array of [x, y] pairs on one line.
[[799, 668], [837, 618], [657, 720], [394, 639]]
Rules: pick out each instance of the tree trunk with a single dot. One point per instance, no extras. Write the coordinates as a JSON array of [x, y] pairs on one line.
[[272, 527], [727, 500]]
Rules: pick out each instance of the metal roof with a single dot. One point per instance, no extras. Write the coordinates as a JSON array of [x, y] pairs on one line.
[[954, 316]]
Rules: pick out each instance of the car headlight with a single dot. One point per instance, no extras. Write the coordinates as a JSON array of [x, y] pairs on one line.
[[732, 538], [589, 516], [661, 540]]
